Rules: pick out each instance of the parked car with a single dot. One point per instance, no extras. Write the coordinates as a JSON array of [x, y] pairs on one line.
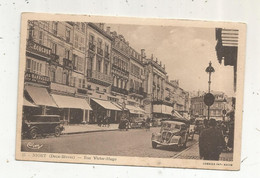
[[172, 133], [42, 125], [137, 122]]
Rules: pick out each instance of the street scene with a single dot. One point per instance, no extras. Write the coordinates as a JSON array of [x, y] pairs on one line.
[[129, 90]]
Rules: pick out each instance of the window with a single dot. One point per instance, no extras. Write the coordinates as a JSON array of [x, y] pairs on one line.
[[67, 53], [106, 69], [28, 65], [106, 48], [52, 76], [98, 65], [41, 39], [76, 41], [64, 79], [83, 27], [80, 64], [55, 27], [83, 83], [99, 43], [54, 48], [97, 88], [67, 34], [91, 39], [105, 90], [79, 84]]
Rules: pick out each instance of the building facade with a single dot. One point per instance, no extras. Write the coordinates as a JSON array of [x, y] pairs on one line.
[[199, 109], [83, 72]]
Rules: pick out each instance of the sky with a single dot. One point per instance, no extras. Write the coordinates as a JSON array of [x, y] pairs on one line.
[[185, 51]]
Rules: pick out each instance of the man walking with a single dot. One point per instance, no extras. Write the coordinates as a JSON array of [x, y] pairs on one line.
[[211, 142]]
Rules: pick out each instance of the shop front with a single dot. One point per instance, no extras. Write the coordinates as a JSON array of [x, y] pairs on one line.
[[40, 97], [74, 110], [102, 108]]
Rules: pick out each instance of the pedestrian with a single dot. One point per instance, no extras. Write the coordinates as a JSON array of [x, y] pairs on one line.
[[211, 142], [108, 121], [230, 143], [147, 125]]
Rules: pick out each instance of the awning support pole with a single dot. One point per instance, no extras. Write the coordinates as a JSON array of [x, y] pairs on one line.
[[88, 116], [84, 116], [68, 115]]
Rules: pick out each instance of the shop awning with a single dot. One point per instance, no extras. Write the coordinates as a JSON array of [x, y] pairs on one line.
[[71, 102], [177, 114], [141, 111], [40, 96], [118, 105], [28, 103], [135, 110], [106, 104]]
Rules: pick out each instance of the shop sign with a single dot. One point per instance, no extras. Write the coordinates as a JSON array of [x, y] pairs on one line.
[[35, 47], [36, 78]]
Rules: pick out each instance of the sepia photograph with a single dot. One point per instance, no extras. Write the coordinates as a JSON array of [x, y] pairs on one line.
[[130, 91]]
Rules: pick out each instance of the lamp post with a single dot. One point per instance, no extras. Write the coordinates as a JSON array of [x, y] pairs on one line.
[[209, 70], [224, 112]]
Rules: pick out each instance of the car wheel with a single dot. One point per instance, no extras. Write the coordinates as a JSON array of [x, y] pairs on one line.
[[57, 132], [154, 144], [33, 133]]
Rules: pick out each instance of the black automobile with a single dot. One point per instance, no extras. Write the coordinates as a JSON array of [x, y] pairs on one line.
[[42, 125]]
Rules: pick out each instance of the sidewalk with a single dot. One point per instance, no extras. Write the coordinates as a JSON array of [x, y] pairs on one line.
[[86, 128], [193, 153]]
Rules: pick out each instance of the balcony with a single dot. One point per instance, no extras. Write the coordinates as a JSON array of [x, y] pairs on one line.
[[138, 93], [119, 90], [92, 47], [100, 51], [107, 55], [54, 59], [115, 67], [99, 78], [67, 64]]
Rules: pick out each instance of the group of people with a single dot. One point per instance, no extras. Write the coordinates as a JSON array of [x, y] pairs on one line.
[[215, 138], [103, 121], [125, 123]]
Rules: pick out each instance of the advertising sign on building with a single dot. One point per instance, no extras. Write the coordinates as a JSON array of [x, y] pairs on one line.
[[36, 78]]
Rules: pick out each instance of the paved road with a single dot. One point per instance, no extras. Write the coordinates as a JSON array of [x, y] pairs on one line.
[[135, 142]]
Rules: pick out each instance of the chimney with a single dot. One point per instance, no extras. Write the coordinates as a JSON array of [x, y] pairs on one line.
[[160, 63], [108, 30], [101, 26], [152, 56], [164, 66]]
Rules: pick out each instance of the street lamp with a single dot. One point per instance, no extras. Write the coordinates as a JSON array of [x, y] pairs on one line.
[[210, 97], [210, 70], [224, 112]]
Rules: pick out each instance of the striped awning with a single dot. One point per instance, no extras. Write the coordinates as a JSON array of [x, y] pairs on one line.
[[71, 102]]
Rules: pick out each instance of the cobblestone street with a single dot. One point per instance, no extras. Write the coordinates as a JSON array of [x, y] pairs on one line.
[[193, 153]]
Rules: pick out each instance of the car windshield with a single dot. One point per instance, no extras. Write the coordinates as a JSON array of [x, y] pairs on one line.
[[168, 126]]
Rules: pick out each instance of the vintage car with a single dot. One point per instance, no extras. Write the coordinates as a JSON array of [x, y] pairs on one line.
[[42, 125], [172, 133], [137, 122]]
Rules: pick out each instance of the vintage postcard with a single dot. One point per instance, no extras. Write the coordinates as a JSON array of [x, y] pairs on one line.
[[130, 91]]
